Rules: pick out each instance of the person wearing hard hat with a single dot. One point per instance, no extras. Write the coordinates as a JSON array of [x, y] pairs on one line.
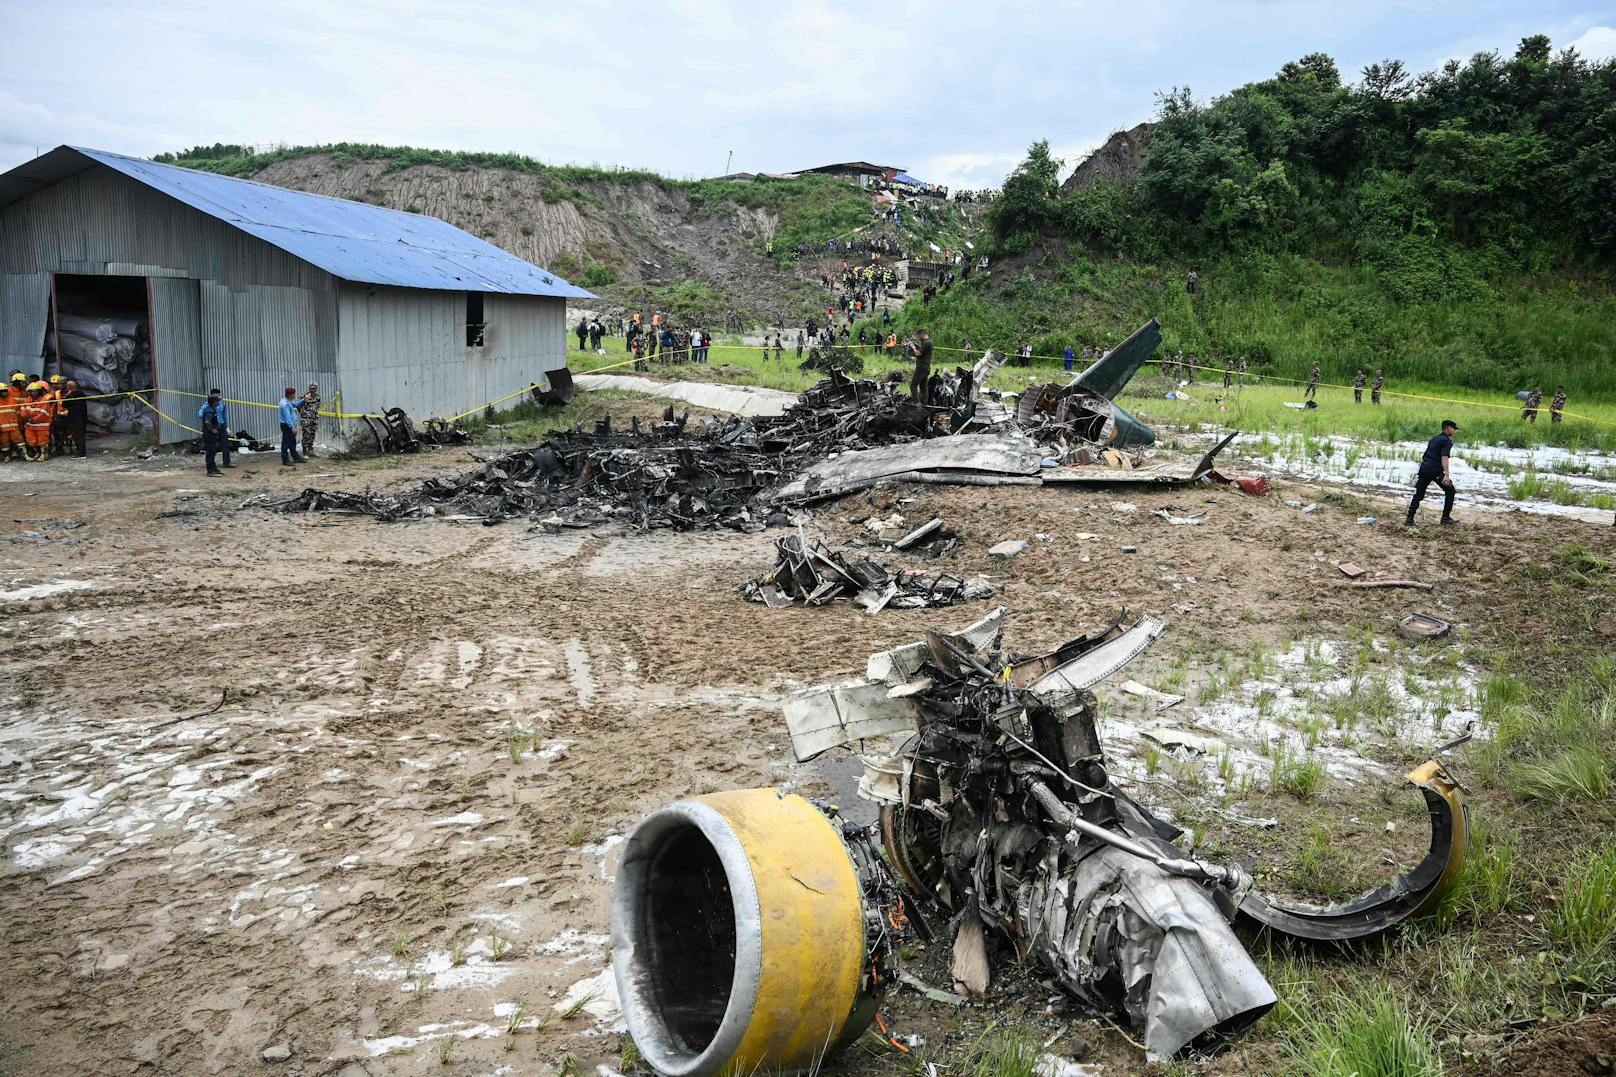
[[53, 394], [12, 444], [37, 414]]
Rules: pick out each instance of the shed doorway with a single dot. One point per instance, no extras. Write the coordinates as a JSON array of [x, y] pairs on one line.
[[100, 337]]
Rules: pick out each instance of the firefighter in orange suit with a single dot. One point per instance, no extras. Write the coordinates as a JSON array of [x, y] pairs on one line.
[[11, 402], [53, 394], [37, 414]]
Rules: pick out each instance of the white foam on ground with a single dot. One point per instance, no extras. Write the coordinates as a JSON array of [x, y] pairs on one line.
[[1262, 717], [43, 590], [465, 818], [597, 996], [575, 945]]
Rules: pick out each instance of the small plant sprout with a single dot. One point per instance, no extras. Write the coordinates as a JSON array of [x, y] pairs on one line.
[[457, 951], [516, 741], [401, 945], [514, 1024], [567, 1066], [498, 946], [446, 1049], [577, 833], [577, 1007]]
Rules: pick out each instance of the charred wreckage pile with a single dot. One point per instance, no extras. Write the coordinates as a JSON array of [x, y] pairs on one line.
[[810, 574], [1002, 832], [842, 435]]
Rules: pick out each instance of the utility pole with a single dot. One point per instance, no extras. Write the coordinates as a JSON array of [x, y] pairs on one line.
[[727, 160]]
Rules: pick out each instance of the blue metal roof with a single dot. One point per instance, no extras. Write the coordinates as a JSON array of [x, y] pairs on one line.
[[352, 240], [904, 177]]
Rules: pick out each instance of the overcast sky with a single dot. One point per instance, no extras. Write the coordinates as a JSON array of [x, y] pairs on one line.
[[953, 92]]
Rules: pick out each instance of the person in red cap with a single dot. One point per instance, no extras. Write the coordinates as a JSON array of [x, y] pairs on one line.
[[288, 411]]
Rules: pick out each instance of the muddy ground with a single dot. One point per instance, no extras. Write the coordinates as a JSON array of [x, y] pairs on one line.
[[397, 830]]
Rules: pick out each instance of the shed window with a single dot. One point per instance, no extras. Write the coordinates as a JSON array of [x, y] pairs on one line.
[[476, 328]]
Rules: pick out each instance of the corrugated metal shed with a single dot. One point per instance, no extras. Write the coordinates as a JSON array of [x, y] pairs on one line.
[[357, 242]]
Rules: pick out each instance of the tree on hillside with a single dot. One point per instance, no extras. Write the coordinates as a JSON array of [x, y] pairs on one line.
[[1029, 202]]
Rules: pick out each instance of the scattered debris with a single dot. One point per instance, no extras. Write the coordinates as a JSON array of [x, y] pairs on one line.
[[936, 994], [279, 1052], [998, 814], [814, 575], [1008, 548], [1255, 485], [554, 388], [1423, 626], [930, 527], [1350, 570], [1162, 699], [1168, 737], [1364, 585], [1193, 521], [826, 359], [838, 437]]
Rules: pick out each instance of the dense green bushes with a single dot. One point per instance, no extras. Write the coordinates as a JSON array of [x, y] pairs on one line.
[[1456, 228]]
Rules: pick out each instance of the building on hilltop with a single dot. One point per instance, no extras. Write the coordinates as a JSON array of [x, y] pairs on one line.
[[860, 172], [252, 288]]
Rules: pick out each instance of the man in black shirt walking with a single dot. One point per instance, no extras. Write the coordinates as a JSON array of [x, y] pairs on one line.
[[1434, 468]]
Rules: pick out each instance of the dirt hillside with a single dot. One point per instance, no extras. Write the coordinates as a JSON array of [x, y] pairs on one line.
[[1118, 161], [642, 234]]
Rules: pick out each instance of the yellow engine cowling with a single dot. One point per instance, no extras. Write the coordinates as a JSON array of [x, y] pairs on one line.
[[738, 940]]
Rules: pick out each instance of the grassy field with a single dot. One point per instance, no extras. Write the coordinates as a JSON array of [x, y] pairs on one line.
[[1484, 418], [1287, 313]]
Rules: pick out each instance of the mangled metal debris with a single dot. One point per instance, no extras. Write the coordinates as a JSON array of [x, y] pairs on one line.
[[842, 435], [663, 476], [395, 432], [998, 815], [811, 574]]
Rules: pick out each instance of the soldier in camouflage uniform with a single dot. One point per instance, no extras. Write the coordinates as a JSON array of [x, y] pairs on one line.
[[308, 418], [1534, 400], [1557, 405], [1358, 381], [1312, 390], [1374, 389]]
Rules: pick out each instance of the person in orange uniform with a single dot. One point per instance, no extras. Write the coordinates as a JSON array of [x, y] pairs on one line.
[[53, 394], [11, 402], [37, 414]]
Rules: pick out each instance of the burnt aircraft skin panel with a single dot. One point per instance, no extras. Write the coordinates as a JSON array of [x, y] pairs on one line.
[[1413, 893], [1108, 375]]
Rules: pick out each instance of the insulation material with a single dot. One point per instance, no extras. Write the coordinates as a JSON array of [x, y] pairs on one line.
[[108, 354], [111, 355], [105, 329], [93, 380]]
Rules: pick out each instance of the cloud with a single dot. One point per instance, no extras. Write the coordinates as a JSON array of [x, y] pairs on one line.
[[1596, 43], [675, 85]]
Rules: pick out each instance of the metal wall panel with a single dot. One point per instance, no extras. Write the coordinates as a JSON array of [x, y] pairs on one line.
[[407, 348], [262, 318], [24, 310], [176, 339]]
